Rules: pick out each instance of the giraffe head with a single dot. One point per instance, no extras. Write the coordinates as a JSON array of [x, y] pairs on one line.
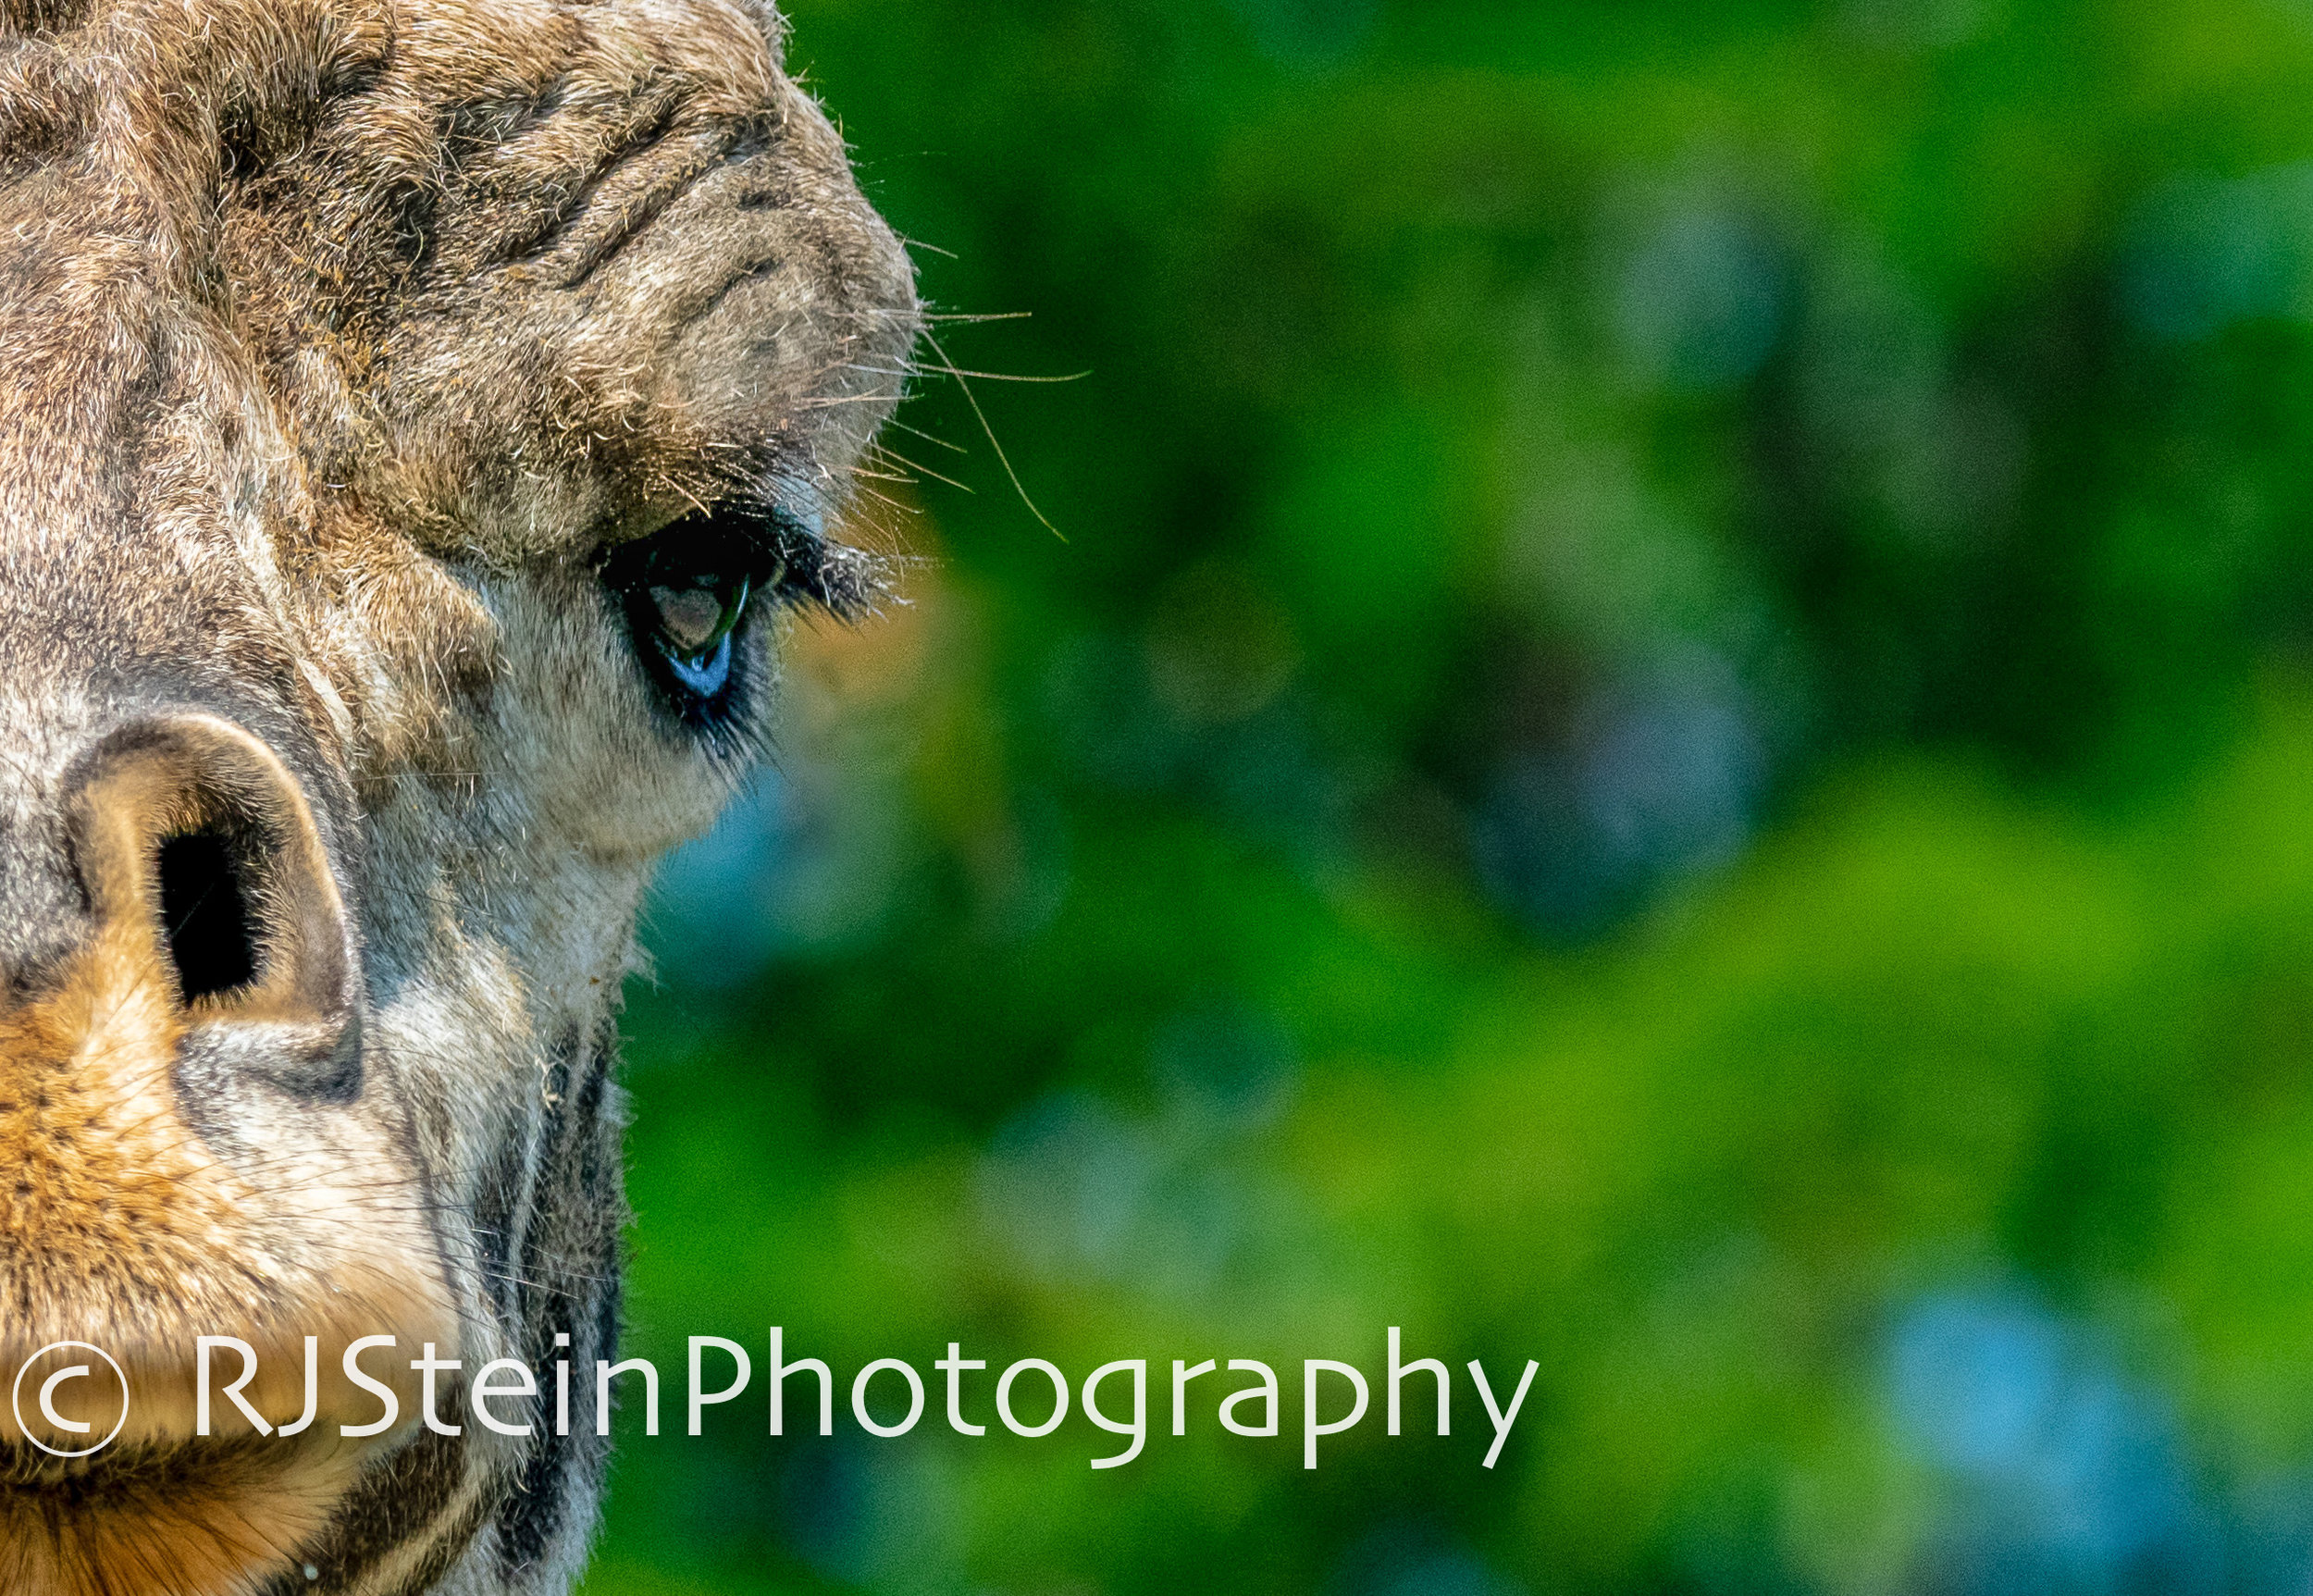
[[415, 416]]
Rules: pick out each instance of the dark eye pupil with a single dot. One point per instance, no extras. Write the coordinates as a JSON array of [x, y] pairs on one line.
[[684, 591], [694, 618]]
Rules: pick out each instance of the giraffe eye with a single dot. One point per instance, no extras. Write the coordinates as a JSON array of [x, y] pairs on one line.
[[684, 591], [688, 616]]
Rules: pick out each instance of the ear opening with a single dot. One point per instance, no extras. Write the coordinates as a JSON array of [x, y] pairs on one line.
[[207, 917], [195, 828]]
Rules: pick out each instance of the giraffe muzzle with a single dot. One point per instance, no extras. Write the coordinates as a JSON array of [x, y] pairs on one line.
[[202, 1145]]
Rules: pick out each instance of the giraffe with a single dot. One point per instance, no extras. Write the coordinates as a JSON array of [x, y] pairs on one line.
[[417, 420]]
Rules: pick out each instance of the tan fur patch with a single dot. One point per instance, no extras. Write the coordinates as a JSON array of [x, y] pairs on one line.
[[213, 1521], [120, 1224]]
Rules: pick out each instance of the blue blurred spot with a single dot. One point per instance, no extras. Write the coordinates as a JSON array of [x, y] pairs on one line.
[[2205, 253], [712, 919], [1701, 300], [1170, 1197], [1662, 779], [1401, 1558], [809, 857], [2064, 1473]]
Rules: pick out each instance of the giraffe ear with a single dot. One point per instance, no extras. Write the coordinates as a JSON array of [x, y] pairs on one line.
[[197, 848]]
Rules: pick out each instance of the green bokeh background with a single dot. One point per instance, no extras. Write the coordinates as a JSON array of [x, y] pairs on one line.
[[1673, 734]]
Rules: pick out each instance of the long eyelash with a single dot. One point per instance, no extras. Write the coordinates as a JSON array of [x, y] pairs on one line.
[[844, 580]]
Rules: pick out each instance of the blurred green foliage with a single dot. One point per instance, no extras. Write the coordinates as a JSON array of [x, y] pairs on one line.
[[1671, 736]]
